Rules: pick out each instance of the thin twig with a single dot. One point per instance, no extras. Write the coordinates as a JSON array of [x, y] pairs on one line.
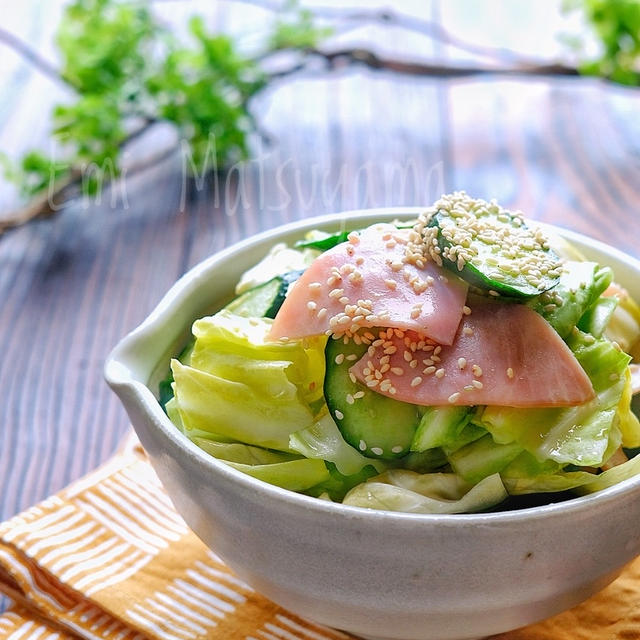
[[340, 58], [23, 49]]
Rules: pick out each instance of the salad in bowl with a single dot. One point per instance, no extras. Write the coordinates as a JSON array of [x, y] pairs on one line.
[[459, 361]]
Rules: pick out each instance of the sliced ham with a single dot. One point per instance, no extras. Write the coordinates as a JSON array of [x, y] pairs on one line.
[[368, 282], [503, 354]]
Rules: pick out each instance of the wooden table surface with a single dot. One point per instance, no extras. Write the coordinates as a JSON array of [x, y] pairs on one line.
[[565, 151]]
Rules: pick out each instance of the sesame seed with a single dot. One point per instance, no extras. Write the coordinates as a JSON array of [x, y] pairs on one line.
[[477, 384], [385, 385], [462, 363], [350, 399], [339, 358], [351, 357], [352, 377], [397, 370], [311, 305], [416, 381], [476, 370], [428, 370], [336, 293], [510, 373], [372, 383], [407, 356], [454, 397], [339, 414], [467, 331], [439, 373], [321, 314], [466, 310], [377, 451], [362, 445], [358, 395], [413, 364], [397, 449], [468, 387]]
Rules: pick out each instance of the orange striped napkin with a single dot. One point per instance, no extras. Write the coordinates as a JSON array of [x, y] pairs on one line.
[[110, 558]]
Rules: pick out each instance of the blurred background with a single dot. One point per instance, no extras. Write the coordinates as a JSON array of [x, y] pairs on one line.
[[136, 141]]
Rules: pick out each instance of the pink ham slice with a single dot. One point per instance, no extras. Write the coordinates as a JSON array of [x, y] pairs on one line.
[[367, 283], [503, 355]]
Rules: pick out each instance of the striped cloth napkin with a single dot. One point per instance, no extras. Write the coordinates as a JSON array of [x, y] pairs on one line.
[[110, 558]]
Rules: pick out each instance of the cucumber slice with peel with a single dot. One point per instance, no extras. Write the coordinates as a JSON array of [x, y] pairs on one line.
[[265, 300], [376, 425], [491, 248]]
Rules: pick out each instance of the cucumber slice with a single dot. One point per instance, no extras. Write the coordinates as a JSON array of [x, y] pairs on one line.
[[440, 426], [491, 248], [483, 458], [376, 425], [265, 300]]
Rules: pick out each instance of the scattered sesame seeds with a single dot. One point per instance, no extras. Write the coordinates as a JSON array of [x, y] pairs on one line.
[[439, 373], [476, 370], [510, 373], [351, 357], [362, 445], [467, 331], [350, 399], [477, 384], [339, 359], [339, 414], [416, 381], [397, 449], [466, 310], [377, 451], [322, 313], [311, 305], [358, 394], [398, 371], [462, 363], [454, 397]]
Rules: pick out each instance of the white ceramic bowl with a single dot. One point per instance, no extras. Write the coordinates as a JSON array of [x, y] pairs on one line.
[[373, 573]]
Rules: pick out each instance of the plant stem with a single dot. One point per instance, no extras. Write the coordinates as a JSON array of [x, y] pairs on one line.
[[41, 64]]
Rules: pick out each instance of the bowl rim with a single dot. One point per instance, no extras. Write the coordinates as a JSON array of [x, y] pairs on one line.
[[119, 377]]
